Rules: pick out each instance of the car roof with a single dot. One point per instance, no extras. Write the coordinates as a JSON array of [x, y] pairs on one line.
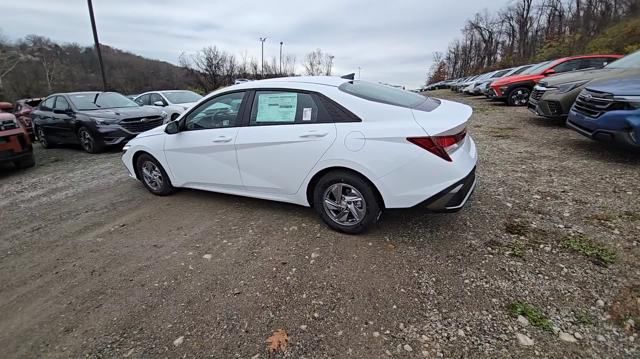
[[333, 81]]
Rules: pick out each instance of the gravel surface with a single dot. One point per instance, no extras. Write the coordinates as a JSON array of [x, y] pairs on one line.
[[542, 262]]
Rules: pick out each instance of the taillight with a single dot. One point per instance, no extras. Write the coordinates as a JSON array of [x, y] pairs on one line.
[[438, 145]]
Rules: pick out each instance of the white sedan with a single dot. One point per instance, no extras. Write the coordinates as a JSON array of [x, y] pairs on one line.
[[173, 102], [350, 149]]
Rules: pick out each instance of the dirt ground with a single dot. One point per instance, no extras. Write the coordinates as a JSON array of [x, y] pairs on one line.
[[92, 265]]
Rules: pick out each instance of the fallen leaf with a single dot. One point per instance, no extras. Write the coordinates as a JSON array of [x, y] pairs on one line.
[[278, 341]]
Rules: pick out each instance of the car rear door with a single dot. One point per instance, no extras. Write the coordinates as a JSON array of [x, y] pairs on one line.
[[203, 154], [287, 133]]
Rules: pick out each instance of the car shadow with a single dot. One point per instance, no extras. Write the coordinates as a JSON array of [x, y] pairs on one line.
[[547, 122], [604, 152], [9, 169]]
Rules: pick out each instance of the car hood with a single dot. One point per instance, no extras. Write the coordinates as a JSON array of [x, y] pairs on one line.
[[153, 132], [515, 79], [577, 76], [122, 113], [624, 85]]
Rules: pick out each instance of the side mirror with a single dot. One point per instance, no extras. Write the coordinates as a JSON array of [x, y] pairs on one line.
[[172, 128], [159, 103], [549, 72]]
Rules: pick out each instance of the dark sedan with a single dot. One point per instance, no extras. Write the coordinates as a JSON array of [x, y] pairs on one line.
[[94, 120]]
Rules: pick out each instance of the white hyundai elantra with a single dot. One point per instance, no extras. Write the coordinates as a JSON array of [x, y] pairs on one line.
[[348, 148]]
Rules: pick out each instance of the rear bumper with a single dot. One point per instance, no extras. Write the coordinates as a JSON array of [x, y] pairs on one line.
[[454, 197], [14, 145], [11, 156]]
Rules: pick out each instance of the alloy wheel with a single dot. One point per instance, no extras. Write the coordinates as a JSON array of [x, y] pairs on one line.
[[520, 97], [344, 204], [42, 138], [152, 175], [86, 140]]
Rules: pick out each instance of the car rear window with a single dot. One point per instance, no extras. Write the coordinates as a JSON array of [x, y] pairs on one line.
[[389, 95]]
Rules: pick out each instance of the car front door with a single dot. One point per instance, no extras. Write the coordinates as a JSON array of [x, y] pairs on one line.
[[63, 121], [287, 134], [203, 154]]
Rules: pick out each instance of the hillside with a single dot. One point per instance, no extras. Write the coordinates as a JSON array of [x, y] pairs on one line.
[[45, 67]]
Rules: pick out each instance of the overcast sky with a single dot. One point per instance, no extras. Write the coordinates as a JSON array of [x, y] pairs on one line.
[[391, 43]]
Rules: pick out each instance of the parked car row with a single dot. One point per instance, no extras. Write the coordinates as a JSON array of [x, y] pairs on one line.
[[96, 120], [598, 95]]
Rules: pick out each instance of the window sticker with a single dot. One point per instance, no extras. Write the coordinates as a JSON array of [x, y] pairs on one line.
[[277, 107], [306, 114]]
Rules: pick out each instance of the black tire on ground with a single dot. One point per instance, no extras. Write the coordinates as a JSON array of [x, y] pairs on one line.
[[42, 138], [88, 142], [26, 162], [519, 96], [174, 116], [373, 207], [158, 185]]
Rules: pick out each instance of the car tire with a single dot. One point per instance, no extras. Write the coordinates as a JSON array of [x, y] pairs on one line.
[[353, 205], [42, 138], [175, 116], [153, 176], [26, 162], [88, 142], [519, 96]]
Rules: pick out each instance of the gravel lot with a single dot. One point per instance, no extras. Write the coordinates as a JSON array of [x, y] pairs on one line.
[[91, 265]]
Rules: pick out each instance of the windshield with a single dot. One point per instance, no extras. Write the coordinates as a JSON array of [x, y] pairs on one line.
[[181, 96], [380, 93], [538, 68], [520, 70], [100, 100], [628, 62]]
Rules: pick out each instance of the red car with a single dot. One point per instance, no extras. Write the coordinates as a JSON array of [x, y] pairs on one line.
[[23, 109], [15, 145], [515, 90]]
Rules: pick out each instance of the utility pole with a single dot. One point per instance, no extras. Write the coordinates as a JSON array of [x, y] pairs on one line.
[[330, 65], [97, 44], [359, 68], [280, 57], [262, 40]]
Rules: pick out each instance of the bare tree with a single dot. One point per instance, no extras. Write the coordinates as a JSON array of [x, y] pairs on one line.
[[317, 63]]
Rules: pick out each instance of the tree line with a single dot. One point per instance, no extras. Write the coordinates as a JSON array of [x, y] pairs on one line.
[[527, 31], [36, 66]]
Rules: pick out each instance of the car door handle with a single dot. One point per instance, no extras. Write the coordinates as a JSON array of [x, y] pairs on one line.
[[222, 139], [314, 133]]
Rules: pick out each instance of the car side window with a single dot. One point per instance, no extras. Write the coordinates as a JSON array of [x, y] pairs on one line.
[[596, 63], [218, 112], [571, 65], [285, 108], [143, 100], [155, 98], [47, 105], [61, 104]]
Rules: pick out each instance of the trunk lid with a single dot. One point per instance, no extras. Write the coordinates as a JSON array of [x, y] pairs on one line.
[[449, 118]]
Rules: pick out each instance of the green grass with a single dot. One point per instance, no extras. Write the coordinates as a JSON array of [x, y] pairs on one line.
[[516, 249], [535, 316], [583, 317], [597, 253]]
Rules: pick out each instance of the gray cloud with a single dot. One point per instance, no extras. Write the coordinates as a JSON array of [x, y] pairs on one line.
[[391, 42]]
